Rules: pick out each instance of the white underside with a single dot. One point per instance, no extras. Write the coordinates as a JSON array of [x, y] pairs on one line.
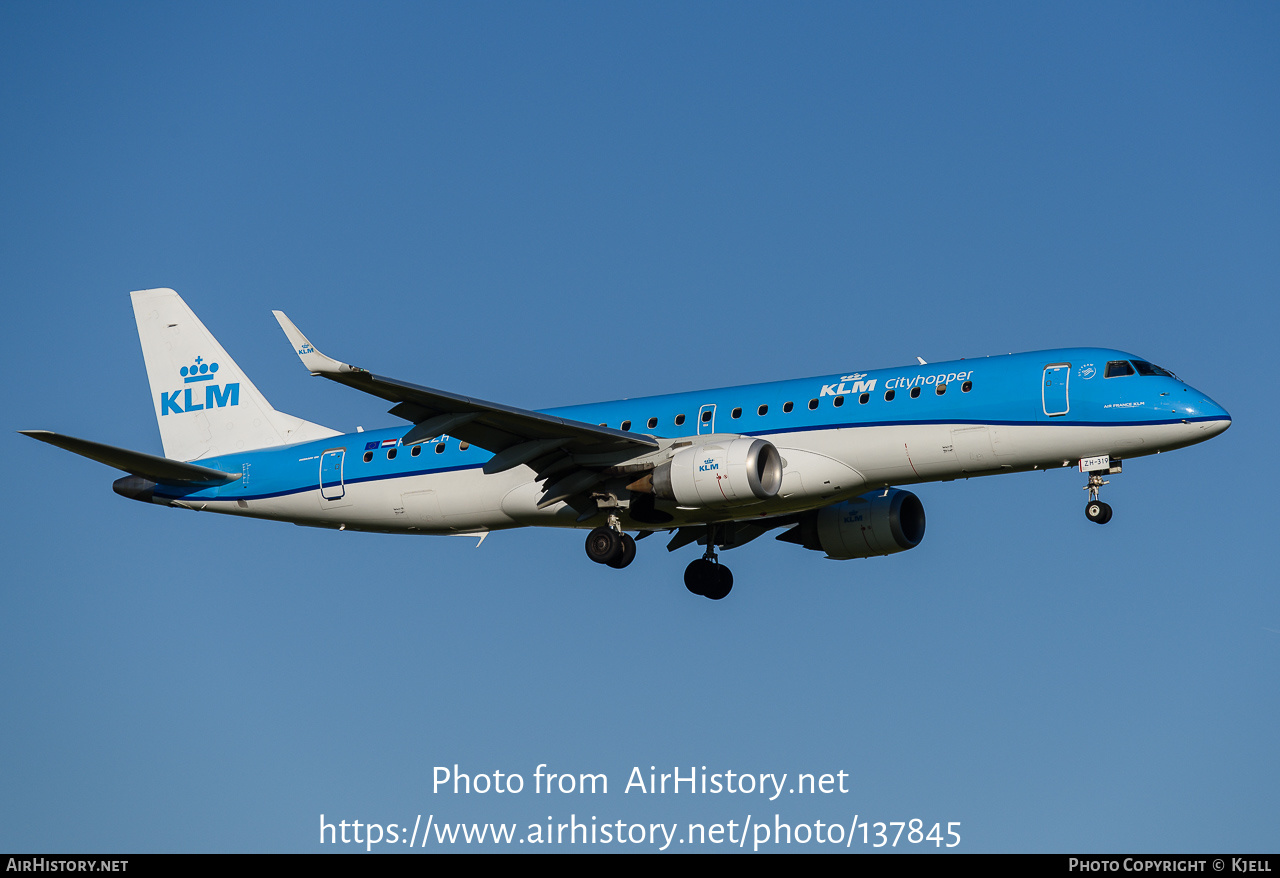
[[820, 467]]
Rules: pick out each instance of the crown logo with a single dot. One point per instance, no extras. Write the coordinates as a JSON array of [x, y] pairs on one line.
[[198, 371]]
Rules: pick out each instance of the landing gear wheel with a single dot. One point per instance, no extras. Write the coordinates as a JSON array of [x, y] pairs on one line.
[[708, 579], [697, 575], [721, 585], [1097, 511], [627, 555], [604, 545]]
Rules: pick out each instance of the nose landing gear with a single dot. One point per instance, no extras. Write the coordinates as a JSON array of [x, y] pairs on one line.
[[1095, 510]]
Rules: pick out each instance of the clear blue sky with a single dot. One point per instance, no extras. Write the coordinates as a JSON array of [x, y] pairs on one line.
[[545, 204]]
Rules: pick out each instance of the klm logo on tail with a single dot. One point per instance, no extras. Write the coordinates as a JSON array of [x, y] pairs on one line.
[[185, 399]]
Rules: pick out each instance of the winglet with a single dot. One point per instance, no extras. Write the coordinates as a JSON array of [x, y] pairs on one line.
[[316, 362]]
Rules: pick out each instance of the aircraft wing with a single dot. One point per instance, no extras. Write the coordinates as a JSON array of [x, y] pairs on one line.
[[553, 446], [160, 470]]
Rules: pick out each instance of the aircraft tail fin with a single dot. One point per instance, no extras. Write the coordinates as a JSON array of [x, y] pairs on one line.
[[205, 405]]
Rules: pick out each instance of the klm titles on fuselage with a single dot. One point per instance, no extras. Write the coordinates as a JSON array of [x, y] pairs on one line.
[[858, 383], [859, 386], [184, 400]]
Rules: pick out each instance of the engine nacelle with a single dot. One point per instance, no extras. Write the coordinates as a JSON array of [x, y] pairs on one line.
[[879, 523], [732, 472]]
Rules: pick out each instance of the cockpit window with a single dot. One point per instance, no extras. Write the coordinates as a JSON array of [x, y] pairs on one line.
[[1145, 368], [1116, 368]]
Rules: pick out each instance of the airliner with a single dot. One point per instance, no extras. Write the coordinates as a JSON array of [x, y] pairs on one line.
[[823, 459]]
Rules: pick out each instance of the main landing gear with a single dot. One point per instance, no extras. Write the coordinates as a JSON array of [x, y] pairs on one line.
[[609, 545], [707, 576]]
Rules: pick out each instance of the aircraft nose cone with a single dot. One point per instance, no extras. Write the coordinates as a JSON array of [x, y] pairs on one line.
[[1217, 419]]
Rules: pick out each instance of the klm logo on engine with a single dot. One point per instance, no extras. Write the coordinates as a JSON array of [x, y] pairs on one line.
[[859, 385], [189, 399], [708, 465]]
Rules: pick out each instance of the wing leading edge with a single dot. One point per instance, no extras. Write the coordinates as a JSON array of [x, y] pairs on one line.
[[570, 456]]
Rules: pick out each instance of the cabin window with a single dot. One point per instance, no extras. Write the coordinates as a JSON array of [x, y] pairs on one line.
[[838, 401], [391, 454], [463, 446], [417, 449], [626, 425], [888, 396], [763, 410], [679, 420], [915, 393], [736, 413], [1118, 368], [966, 387], [813, 404], [706, 416], [864, 399], [787, 407], [368, 457], [942, 388], [653, 422], [439, 448]]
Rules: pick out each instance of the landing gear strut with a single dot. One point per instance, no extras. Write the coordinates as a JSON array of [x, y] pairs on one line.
[[607, 544], [707, 576], [1095, 510]]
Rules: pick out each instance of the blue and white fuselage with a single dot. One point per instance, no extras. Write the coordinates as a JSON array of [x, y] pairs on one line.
[[720, 465], [846, 444]]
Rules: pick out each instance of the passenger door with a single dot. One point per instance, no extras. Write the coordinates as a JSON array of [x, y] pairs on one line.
[[1053, 389], [331, 486]]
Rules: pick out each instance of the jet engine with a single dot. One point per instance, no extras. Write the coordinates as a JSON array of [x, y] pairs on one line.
[[879, 523], [731, 472]]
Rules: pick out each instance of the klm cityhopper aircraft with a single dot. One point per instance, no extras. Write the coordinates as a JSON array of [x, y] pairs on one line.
[[820, 457]]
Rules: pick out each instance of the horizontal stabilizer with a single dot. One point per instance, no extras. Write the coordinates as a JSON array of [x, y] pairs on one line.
[[161, 470]]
